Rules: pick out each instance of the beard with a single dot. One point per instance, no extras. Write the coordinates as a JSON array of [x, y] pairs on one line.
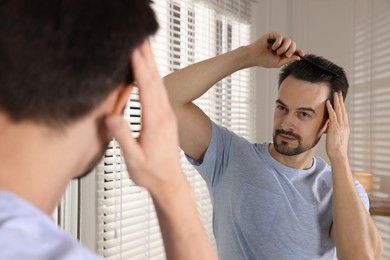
[[283, 146]]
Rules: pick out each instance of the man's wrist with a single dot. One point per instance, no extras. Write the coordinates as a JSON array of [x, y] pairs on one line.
[[170, 194], [338, 157]]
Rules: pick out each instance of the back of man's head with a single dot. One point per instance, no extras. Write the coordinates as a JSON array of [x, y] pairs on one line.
[[317, 69], [60, 59]]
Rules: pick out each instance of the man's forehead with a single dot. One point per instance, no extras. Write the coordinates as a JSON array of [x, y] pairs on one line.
[[299, 93]]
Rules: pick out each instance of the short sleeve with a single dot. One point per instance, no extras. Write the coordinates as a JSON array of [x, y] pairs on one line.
[[363, 195], [216, 157]]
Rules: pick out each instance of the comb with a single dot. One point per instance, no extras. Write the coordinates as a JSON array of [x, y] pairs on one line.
[[272, 41]]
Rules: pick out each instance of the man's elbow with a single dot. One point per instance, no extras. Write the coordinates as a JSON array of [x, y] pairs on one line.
[[371, 249], [375, 248], [379, 247]]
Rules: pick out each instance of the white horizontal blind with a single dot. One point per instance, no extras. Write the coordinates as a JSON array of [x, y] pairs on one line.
[[127, 224], [196, 30], [370, 100], [226, 26], [189, 31]]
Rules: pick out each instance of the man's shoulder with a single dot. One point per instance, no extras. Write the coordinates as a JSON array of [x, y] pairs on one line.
[[28, 233], [227, 133]]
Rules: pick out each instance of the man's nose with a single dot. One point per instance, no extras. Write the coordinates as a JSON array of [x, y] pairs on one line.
[[289, 122]]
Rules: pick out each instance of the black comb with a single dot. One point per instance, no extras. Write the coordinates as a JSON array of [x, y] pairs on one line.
[[272, 41]]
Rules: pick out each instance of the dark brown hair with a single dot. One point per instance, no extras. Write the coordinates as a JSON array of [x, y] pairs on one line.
[[60, 59], [317, 69]]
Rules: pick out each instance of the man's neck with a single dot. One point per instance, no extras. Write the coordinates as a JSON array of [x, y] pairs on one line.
[[300, 162], [32, 167]]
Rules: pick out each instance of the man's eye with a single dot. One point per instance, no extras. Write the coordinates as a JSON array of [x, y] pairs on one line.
[[304, 115], [282, 108]]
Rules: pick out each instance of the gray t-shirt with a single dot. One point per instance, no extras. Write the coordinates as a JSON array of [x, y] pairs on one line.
[[263, 209], [28, 233]]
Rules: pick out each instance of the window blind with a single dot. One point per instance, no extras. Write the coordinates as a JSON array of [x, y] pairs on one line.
[[190, 31], [370, 101], [127, 226]]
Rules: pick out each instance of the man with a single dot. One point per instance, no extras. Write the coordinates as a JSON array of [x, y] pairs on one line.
[[66, 70], [277, 200]]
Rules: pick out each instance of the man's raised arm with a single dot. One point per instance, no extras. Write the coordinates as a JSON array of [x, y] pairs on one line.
[[353, 231], [188, 84]]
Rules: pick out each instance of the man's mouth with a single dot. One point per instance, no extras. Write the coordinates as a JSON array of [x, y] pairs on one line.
[[287, 137]]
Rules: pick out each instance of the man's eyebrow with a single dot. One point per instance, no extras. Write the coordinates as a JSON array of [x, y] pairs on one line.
[[309, 109], [278, 101]]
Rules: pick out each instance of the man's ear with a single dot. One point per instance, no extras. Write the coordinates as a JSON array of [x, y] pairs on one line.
[[324, 129], [113, 105], [116, 101]]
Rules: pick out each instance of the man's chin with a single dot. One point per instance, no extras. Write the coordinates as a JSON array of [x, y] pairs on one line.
[[87, 172], [287, 148], [92, 164]]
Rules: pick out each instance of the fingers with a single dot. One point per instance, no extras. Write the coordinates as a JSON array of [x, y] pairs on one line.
[[343, 110], [146, 74], [283, 45], [339, 106], [153, 96], [157, 114], [286, 47], [299, 53], [331, 112], [120, 130], [338, 128], [146, 158], [277, 40], [337, 113]]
